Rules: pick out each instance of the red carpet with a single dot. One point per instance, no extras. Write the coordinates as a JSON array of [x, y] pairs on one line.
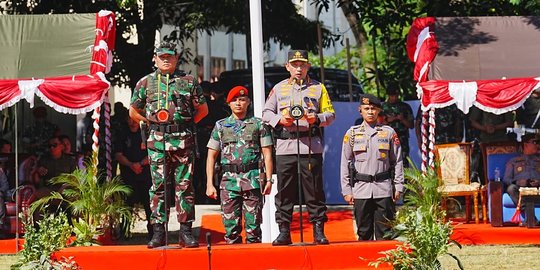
[[8, 246], [339, 228], [343, 252], [485, 234]]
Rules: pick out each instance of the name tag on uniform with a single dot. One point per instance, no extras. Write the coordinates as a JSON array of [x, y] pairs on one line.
[[360, 147], [383, 140]]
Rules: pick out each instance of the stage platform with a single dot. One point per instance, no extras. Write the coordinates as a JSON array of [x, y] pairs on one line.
[[344, 252]]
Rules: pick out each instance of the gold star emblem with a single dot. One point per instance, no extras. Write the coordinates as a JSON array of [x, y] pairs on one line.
[[365, 101]]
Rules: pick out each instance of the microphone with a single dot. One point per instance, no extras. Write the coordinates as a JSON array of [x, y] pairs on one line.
[[208, 241], [209, 247]]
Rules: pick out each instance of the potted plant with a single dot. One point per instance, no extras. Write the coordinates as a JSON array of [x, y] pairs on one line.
[[95, 206], [420, 226]]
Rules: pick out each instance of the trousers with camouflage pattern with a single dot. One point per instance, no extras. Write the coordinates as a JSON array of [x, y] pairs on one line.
[[233, 204], [179, 164]]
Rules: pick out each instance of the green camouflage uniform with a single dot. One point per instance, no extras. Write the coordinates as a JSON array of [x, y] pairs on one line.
[[184, 97], [394, 109], [448, 128], [240, 142]]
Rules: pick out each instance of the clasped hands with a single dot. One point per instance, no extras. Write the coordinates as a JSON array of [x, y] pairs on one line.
[[287, 121]]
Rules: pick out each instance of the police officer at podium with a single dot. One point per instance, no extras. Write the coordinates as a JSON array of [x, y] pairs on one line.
[[299, 89], [170, 102], [371, 171]]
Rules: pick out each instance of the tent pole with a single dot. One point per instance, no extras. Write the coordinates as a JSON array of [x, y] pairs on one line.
[[16, 144]]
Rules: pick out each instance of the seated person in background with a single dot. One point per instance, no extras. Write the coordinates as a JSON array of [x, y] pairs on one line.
[[5, 146], [52, 164], [34, 139], [68, 150], [523, 170]]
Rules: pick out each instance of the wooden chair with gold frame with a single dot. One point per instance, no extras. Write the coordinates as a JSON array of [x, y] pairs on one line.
[[453, 171]]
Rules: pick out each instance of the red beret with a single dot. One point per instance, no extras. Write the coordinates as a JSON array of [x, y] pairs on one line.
[[235, 92]]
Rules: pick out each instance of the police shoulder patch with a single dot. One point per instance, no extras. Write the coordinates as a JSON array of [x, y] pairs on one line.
[[346, 138], [395, 138]]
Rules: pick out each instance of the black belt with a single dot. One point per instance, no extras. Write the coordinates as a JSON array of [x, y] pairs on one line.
[[372, 178], [285, 134], [240, 168], [169, 128]]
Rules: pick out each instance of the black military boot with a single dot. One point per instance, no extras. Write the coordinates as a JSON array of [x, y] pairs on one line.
[[150, 230], [318, 233], [158, 239], [186, 236], [284, 237]]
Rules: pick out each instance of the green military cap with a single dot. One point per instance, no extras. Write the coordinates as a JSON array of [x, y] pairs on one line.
[[298, 55], [369, 99], [166, 48]]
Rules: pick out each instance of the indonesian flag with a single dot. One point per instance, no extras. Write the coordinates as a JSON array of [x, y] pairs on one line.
[[422, 46]]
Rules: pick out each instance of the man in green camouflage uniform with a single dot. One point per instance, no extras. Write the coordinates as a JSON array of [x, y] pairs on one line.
[[399, 116], [240, 139], [170, 102], [449, 126]]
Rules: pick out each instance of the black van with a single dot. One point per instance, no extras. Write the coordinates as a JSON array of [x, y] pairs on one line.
[[335, 80]]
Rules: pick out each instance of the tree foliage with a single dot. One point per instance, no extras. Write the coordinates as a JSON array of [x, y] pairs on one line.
[[380, 29], [138, 21]]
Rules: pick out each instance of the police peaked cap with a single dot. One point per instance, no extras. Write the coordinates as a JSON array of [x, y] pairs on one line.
[[369, 99], [237, 91], [297, 55]]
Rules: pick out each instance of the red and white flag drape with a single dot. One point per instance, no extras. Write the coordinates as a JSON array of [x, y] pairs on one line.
[[422, 46], [69, 94], [495, 96], [74, 94]]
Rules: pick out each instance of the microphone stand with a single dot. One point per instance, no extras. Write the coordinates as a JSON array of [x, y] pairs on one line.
[[209, 248], [297, 112]]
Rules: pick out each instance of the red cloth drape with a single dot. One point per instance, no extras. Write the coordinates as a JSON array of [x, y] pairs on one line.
[[422, 46], [70, 94], [73, 94], [496, 96], [10, 93]]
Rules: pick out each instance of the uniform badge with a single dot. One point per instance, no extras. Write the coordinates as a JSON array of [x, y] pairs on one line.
[[519, 169], [383, 134], [383, 155], [346, 138], [162, 115], [242, 92], [365, 101]]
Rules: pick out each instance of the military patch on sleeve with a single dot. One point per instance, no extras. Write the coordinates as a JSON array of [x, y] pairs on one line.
[[346, 138], [395, 138]]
